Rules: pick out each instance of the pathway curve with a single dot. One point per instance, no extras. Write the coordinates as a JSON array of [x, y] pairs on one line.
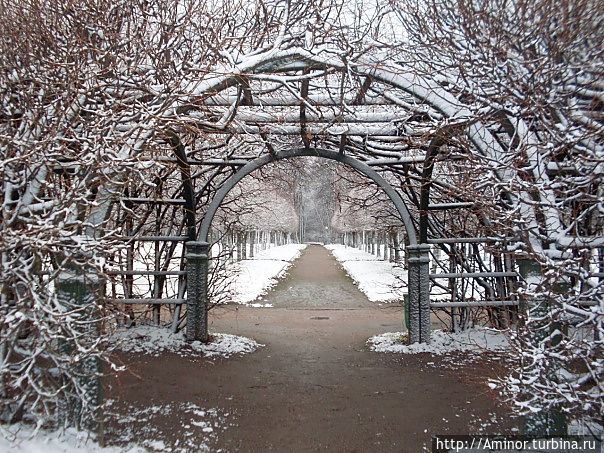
[[315, 386]]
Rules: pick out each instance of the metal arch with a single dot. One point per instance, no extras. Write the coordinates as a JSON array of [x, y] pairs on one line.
[[198, 251], [259, 162]]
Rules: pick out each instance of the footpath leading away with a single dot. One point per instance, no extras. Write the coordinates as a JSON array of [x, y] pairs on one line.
[[315, 386]]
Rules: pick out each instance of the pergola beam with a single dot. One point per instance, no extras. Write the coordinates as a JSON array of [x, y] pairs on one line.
[[476, 240], [371, 129], [446, 206], [262, 117], [473, 275], [154, 238], [318, 100], [142, 301], [475, 303], [396, 161], [207, 162], [171, 201]]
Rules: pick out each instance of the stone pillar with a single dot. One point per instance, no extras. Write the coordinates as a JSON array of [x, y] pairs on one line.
[[552, 422], [197, 291], [79, 291], [419, 293]]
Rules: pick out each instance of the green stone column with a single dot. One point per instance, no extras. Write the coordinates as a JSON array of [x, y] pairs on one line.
[[552, 422], [419, 293], [78, 292], [197, 290]]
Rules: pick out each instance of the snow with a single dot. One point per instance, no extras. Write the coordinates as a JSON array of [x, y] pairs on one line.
[[200, 426], [254, 277], [383, 281], [21, 438], [476, 339], [586, 428], [248, 279], [152, 340], [380, 281]]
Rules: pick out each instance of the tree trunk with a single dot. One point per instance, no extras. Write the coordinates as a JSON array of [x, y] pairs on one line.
[[252, 235]]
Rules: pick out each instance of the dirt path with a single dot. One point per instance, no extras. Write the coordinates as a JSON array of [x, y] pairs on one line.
[[317, 281], [315, 386]]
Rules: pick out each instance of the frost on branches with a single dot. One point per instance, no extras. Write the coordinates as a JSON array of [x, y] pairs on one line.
[[79, 93], [531, 72], [96, 99], [93, 96]]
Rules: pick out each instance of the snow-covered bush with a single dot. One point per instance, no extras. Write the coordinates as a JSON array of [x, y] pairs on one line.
[[81, 88], [531, 72]]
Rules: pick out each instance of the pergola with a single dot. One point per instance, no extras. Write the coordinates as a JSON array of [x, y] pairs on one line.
[[128, 130], [374, 115]]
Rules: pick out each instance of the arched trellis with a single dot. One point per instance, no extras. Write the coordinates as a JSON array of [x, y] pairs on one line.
[[107, 197], [151, 102], [454, 113], [418, 87], [198, 251]]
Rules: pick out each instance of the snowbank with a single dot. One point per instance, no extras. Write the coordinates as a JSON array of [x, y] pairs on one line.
[[152, 340], [144, 425], [477, 339], [379, 280], [20, 438], [254, 277]]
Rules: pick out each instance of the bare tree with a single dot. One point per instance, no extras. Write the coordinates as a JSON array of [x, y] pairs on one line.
[[82, 88], [97, 100], [531, 71]]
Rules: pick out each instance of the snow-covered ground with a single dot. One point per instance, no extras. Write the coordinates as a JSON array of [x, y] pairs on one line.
[[247, 279], [199, 426], [20, 438], [380, 281], [476, 339], [151, 340], [254, 277]]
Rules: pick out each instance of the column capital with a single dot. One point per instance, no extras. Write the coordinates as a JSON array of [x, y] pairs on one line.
[[418, 248], [200, 244], [197, 250], [418, 253]]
